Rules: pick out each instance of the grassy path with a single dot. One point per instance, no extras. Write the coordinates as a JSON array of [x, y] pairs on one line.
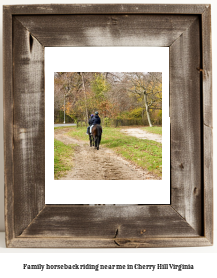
[[102, 164], [146, 154]]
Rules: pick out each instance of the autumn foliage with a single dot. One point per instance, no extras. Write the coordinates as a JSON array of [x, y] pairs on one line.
[[113, 95]]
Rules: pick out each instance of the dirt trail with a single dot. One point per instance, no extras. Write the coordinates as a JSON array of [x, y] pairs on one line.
[[104, 164], [142, 134]]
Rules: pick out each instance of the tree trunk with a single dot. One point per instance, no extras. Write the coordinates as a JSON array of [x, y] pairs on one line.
[[143, 116], [85, 97], [147, 109], [64, 109]]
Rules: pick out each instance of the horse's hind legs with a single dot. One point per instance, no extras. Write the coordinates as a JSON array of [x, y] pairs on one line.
[[90, 141]]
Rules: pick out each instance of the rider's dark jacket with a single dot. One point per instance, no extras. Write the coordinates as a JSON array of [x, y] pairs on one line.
[[96, 120], [90, 121]]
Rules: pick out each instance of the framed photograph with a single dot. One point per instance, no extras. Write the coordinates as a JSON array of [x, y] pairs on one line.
[[107, 46], [114, 87]]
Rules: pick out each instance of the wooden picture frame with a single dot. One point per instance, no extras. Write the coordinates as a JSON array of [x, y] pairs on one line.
[[186, 30]]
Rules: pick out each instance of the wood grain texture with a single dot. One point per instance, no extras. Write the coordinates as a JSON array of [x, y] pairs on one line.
[[8, 125], [207, 67], [107, 30], [185, 113], [109, 222], [106, 9], [34, 242], [28, 84], [29, 223], [208, 182], [207, 122]]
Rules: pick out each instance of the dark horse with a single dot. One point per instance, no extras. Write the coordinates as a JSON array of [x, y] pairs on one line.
[[95, 138]]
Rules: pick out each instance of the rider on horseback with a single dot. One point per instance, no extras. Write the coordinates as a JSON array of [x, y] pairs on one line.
[[90, 124], [96, 121]]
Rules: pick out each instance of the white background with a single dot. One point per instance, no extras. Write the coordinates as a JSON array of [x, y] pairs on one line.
[[110, 59], [204, 258]]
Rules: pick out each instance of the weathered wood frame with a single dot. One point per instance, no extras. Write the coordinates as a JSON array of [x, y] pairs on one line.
[[186, 29]]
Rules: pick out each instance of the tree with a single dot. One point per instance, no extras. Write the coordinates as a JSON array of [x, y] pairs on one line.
[[149, 86], [113, 94], [85, 96]]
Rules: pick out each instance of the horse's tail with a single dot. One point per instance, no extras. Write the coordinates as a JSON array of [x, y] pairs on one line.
[[99, 134], [99, 130]]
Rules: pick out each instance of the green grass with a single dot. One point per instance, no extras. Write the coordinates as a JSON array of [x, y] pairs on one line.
[[61, 127], [154, 129], [144, 153], [63, 155]]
